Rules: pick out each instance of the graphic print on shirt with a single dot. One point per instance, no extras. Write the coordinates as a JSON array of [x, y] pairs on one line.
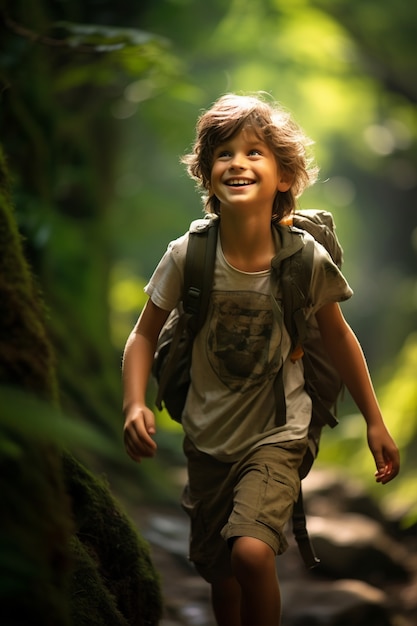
[[239, 340]]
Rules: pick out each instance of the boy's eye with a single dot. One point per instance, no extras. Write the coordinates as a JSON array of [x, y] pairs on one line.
[[226, 154]]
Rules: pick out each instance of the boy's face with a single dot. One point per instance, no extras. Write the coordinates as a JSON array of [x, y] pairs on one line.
[[245, 173]]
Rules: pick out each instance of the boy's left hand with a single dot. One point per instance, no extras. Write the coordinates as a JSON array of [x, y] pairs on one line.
[[385, 453]]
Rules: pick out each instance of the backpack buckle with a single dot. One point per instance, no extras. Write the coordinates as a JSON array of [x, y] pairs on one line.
[[192, 301]]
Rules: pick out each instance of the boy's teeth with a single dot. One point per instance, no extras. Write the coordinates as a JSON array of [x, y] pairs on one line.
[[239, 182]]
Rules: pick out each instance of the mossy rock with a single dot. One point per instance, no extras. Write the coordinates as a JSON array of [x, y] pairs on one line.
[[113, 561], [35, 529]]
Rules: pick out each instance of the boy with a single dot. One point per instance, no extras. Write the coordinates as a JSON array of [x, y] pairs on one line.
[[243, 455]]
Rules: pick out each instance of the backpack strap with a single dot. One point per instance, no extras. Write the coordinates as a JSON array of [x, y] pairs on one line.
[[302, 538], [199, 271], [295, 276], [174, 354], [191, 313], [295, 284], [294, 272], [290, 245]]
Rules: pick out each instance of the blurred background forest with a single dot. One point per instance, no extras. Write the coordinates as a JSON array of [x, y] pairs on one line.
[[99, 101]]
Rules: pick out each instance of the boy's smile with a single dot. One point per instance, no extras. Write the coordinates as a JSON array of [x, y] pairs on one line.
[[245, 172], [239, 182]]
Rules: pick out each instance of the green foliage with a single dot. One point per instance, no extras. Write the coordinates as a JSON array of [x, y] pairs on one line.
[[126, 300], [399, 402], [399, 397], [24, 416], [387, 30], [100, 38]]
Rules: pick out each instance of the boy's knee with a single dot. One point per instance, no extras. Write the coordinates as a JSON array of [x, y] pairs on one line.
[[251, 558]]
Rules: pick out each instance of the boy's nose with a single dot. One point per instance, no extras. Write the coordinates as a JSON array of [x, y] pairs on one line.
[[238, 161]]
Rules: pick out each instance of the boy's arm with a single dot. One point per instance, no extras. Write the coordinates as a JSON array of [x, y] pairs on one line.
[[347, 356], [139, 426]]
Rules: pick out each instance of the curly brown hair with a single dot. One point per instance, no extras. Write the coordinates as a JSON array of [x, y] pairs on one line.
[[228, 115]]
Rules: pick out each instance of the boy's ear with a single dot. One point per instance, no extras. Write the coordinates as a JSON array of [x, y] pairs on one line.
[[284, 182]]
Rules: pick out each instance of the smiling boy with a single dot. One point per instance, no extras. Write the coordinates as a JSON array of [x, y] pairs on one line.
[[243, 455]]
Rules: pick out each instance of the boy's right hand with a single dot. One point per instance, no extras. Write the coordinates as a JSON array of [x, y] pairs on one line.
[[138, 431]]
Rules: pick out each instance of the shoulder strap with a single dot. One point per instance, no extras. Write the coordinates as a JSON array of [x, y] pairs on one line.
[[293, 267], [295, 273], [291, 245], [198, 279], [295, 285], [199, 270]]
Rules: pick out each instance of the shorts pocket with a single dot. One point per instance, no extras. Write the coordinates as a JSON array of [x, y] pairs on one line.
[[277, 500]]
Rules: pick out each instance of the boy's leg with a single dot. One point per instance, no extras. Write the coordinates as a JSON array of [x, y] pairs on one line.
[[253, 564], [225, 598], [253, 597], [265, 488], [238, 512]]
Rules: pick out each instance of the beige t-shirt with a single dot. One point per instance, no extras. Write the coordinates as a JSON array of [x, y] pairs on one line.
[[230, 406]]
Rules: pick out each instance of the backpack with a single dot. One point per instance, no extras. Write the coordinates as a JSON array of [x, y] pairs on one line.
[[292, 270]]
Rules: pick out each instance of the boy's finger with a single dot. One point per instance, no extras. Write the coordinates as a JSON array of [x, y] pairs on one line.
[[385, 474], [149, 421]]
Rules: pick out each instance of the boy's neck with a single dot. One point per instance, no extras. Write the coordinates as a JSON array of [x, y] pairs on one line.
[[248, 242]]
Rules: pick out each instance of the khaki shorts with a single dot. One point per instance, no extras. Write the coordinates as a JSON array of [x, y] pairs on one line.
[[252, 497]]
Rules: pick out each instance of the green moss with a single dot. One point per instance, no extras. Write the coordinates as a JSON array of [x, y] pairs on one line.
[[91, 601], [120, 555], [35, 530]]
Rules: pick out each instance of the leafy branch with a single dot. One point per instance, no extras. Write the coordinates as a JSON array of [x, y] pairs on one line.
[[86, 38]]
